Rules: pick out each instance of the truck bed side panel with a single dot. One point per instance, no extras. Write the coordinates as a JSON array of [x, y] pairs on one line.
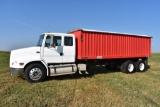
[[100, 45]]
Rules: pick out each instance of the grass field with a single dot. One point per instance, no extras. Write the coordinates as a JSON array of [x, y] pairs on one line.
[[103, 89]]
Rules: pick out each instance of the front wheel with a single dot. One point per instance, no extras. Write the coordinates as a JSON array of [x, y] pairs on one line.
[[35, 73]]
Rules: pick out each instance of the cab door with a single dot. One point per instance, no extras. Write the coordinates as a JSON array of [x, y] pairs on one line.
[[69, 49], [53, 49]]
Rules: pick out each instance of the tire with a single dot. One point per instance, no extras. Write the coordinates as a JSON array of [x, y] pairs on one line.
[[35, 73], [140, 66], [128, 67], [122, 67]]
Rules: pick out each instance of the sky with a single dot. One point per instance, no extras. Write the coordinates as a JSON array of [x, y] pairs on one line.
[[22, 21]]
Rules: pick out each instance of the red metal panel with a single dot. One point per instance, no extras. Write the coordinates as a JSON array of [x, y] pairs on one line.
[[97, 45]]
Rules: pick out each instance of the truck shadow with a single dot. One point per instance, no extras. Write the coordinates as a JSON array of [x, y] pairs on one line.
[[94, 70], [89, 74]]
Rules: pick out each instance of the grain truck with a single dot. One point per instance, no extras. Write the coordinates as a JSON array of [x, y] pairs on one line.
[[69, 53]]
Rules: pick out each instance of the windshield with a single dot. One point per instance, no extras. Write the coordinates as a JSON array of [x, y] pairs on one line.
[[40, 40]]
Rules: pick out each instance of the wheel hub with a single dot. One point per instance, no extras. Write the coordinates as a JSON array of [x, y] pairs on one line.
[[130, 67], [35, 73], [141, 66]]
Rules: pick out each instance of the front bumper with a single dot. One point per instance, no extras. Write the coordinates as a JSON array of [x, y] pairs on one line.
[[16, 71]]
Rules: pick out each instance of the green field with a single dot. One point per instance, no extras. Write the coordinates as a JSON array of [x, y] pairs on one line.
[[103, 89]]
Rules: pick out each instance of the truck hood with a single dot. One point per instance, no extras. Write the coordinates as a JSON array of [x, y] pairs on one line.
[[25, 51], [24, 55]]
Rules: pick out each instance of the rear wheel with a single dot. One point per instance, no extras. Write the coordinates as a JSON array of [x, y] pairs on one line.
[[140, 66], [35, 73], [128, 67]]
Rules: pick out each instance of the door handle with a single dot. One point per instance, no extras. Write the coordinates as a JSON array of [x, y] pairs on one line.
[[61, 54]]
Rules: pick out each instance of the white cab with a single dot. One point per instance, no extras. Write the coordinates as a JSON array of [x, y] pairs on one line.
[[58, 48]]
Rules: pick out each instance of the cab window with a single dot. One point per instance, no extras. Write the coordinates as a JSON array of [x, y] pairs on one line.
[[48, 40], [57, 40], [68, 41], [41, 37]]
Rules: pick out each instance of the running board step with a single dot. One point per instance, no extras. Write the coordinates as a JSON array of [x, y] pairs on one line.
[[62, 69], [62, 74], [61, 66]]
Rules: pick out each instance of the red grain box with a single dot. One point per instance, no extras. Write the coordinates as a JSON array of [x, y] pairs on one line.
[[92, 44]]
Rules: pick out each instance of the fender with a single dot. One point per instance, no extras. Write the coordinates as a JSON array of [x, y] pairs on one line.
[[36, 61], [41, 61], [46, 66]]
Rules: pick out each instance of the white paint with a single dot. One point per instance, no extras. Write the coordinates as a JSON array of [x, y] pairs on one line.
[[82, 67], [25, 56], [52, 54], [44, 54]]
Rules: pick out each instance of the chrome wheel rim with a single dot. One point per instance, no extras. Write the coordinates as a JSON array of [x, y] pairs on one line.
[[141, 66], [35, 74], [130, 67]]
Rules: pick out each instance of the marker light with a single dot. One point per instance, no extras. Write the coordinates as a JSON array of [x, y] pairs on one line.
[[21, 64]]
